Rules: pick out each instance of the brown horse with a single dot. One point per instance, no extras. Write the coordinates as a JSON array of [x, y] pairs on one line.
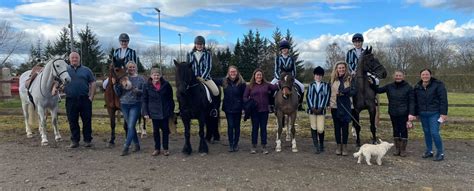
[[286, 104], [112, 101]]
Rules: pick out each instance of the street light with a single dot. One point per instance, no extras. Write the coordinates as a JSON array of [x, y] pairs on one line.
[[70, 27], [180, 57], [159, 33]]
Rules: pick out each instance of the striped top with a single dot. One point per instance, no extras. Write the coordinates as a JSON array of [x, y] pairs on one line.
[[352, 58], [318, 97], [202, 67], [126, 56], [283, 64]]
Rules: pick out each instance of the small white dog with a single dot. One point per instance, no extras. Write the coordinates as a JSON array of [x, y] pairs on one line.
[[368, 150]]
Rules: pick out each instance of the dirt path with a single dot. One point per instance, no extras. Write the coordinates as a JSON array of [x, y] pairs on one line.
[[26, 165]]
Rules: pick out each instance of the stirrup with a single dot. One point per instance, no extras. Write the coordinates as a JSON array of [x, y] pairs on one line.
[[213, 113]]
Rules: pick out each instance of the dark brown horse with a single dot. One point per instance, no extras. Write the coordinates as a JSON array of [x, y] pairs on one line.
[[286, 104], [365, 97], [112, 101]]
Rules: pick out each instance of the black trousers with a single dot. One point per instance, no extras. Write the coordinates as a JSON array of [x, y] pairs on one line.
[[341, 128], [79, 107], [399, 124]]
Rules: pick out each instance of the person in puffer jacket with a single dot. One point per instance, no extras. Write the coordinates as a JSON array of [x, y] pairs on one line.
[[431, 106]]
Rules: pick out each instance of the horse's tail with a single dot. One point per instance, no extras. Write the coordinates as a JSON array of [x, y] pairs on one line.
[[32, 114]]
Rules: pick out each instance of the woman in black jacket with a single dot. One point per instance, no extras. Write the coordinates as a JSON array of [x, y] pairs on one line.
[[158, 104], [431, 105], [401, 108], [234, 86]]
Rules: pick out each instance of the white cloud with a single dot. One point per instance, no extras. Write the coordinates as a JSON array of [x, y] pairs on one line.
[[343, 7], [314, 49], [464, 5]]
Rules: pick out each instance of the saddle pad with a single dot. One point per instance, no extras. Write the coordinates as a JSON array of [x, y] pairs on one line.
[[208, 93]]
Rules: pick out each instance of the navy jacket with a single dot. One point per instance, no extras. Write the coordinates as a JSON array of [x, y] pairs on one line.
[[432, 99], [401, 100], [318, 99], [158, 104], [233, 95]]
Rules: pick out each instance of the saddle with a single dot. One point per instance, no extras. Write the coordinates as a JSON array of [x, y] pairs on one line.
[[34, 72]]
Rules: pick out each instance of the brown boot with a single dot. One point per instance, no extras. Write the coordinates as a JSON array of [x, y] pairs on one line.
[[397, 143], [344, 150], [338, 149], [403, 147]]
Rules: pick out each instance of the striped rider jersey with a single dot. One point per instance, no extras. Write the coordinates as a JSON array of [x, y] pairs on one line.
[[201, 66], [284, 64], [318, 96], [124, 55], [352, 58]]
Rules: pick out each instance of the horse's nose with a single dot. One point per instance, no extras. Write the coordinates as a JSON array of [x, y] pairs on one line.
[[67, 80]]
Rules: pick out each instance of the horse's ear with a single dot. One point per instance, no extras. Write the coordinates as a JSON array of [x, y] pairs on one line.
[[175, 62]]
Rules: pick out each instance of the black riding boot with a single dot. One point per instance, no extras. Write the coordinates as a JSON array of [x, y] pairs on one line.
[[314, 135], [321, 141]]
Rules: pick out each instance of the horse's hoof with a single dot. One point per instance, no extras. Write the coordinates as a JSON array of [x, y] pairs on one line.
[[59, 139], [203, 154], [277, 150], [295, 150], [44, 143], [29, 136]]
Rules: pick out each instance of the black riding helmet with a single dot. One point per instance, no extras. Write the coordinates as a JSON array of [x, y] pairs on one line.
[[124, 37], [284, 44], [199, 40], [318, 71], [357, 38]]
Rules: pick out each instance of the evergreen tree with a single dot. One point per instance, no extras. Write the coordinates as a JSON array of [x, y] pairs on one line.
[[48, 50], [249, 56], [295, 54], [62, 44], [90, 51]]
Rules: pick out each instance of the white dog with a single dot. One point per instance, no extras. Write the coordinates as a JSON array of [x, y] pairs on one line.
[[368, 150]]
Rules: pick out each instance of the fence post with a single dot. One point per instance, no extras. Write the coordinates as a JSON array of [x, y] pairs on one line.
[[6, 86]]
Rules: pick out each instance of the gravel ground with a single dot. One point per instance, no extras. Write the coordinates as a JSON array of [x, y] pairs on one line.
[[24, 164]]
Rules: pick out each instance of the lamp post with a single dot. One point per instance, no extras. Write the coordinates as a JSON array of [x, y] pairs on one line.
[[159, 33], [70, 27], [180, 57]]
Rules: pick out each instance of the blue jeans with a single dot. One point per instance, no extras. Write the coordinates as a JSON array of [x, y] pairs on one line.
[[430, 124], [131, 112], [259, 121], [165, 130], [233, 128]]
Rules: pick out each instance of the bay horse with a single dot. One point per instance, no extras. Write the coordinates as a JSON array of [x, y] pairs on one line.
[[40, 97], [112, 101], [193, 104], [286, 105], [365, 97]]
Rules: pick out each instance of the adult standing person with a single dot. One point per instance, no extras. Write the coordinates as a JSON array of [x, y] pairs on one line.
[[401, 108], [79, 96], [130, 93], [431, 100], [317, 99], [342, 89], [201, 64], [286, 63], [158, 105], [259, 90], [234, 87]]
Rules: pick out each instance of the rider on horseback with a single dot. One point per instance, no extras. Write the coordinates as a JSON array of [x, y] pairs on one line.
[[287, 63], [122, 55], [353, 56], [201, 64]]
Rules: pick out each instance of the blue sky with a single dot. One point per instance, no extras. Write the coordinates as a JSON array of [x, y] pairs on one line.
[[314, 24]]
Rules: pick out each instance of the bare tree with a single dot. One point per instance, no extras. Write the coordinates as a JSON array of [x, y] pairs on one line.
[[10, 41], [334, 53]]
